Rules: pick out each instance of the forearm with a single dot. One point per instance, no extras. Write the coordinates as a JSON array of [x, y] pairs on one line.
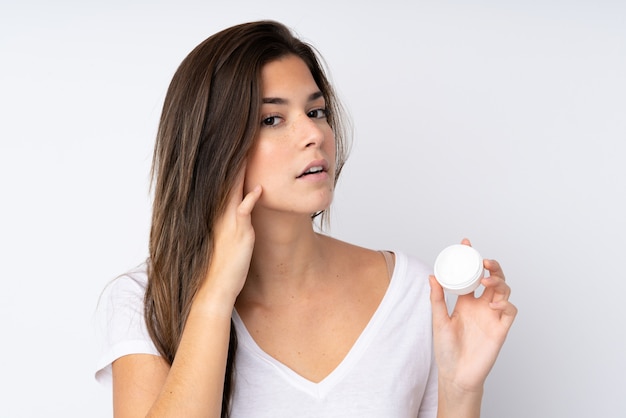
[[454, 402], [194, 385]]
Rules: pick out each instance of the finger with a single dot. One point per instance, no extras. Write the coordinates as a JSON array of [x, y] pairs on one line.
[[466, 241], [496, 283], [508, 312], [438, 302], [494, 268], [246, 206], [496, 289]]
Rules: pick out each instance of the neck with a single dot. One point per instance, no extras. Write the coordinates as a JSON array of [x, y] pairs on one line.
[[288, 256]]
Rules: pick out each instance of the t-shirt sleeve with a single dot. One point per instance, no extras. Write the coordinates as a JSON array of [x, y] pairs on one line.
[[120, 325]]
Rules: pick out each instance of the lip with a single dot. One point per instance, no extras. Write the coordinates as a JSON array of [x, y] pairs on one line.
[[316, 163]]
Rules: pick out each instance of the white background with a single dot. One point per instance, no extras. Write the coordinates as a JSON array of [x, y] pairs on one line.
[[503, 121]]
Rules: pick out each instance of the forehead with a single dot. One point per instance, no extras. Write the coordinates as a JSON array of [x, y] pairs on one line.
[[285, 75]]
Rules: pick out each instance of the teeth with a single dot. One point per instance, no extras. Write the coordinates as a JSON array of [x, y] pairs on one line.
[[314, 170]]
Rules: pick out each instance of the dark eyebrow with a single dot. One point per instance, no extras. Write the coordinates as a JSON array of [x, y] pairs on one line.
[[281, 101]]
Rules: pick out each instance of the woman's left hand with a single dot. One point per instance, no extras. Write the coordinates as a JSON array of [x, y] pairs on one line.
[[468, 341]]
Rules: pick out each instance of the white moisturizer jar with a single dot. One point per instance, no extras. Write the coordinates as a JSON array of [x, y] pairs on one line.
[[459, 268]]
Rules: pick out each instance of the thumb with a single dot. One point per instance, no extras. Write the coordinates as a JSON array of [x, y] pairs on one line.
[[246, 206], [438, 302]]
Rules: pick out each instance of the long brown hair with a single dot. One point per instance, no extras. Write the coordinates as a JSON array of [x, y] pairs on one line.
[[210, 118]]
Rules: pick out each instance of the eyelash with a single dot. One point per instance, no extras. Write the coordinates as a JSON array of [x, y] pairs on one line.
[[269, 121], [266, 120], [322, 110]]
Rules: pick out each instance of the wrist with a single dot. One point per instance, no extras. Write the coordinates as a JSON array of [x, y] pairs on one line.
[[212, 302], [458, 401]]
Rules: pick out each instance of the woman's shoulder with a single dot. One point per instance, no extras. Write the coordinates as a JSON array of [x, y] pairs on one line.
[[357, 257], [132, 282], [124, 294], [350, 257], [119, 320]]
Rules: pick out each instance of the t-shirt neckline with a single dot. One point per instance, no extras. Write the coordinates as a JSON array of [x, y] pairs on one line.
[[322, 388]]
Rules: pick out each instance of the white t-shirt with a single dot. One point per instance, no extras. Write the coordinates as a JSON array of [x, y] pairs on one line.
[[390, 371]]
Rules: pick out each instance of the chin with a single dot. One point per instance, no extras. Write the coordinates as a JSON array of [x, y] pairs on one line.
[[305, 205], [325, 204], [312, 209]]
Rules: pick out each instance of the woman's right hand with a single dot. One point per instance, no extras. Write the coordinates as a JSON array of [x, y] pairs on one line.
[[193, 385], [233, 243]]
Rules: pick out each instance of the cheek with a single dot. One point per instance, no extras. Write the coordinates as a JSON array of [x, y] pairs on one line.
[[252, 167], [259, 165], [330, 148], [249, 182]]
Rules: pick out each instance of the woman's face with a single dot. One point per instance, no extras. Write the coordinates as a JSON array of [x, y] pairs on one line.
[[293, 156]]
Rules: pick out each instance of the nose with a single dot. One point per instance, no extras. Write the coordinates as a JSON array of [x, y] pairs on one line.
[[310, 131]]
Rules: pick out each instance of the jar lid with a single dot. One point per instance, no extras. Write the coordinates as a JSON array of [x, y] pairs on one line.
[[459, 268]]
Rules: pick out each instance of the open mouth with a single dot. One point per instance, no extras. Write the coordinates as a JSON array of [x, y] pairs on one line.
[[312, 170]]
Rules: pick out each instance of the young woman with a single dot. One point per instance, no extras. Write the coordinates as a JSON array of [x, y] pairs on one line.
[[242, 309]]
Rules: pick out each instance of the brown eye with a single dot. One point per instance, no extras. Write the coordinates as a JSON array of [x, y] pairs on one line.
[[317, 113], [270, 121]]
